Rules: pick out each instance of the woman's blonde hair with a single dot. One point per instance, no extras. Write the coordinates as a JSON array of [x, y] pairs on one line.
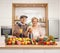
[[34, 18]]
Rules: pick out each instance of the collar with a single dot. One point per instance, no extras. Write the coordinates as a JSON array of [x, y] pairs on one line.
[[22, 23]]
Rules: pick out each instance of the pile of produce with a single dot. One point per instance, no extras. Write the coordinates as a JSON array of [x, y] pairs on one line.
[[17, 41], [27, 41]]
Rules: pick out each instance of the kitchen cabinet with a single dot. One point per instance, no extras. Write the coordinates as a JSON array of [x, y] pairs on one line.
[[11, 51], [41, 49], [52, 51], [30, 51], [33, 51], [29, 48]]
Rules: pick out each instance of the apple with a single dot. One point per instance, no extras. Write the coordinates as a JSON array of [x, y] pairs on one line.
[[13, 39], [18, 42], [23, 39], [25, 42], [22, 43], [28, 42], [44, 43], [9, 43], [13, 42], [10, 39], [47, 43]]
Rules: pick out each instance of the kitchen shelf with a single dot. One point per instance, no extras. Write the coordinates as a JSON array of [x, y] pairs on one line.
[[33, 5], [42, 22], [19, 20], [16, 20]]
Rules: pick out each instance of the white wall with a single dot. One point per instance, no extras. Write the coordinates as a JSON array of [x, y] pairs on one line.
[[59, 20], [54, 27], [6, 18], [6, 9], [5, 12]]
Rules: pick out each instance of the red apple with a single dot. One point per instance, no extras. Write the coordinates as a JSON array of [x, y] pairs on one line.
[[18, 42], [9, 42], [44, 43], [22, 43], [28, 42]]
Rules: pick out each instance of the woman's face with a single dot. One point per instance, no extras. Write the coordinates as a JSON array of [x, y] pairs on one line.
[[34, 22]]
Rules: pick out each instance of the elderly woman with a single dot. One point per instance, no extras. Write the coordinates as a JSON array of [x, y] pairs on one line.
[[35, 29]]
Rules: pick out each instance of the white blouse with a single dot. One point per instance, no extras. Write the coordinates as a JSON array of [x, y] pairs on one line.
[[37, 32]]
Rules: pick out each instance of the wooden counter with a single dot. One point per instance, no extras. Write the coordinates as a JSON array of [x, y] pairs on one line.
[[30, 47], [3, 46]]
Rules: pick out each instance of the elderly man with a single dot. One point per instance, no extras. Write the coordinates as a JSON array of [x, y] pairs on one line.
[[21, 27]]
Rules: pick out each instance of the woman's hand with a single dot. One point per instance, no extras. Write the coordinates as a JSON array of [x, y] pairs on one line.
[[30, 30]]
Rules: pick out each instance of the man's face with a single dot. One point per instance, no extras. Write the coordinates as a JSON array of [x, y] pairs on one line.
[[23, 20]]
